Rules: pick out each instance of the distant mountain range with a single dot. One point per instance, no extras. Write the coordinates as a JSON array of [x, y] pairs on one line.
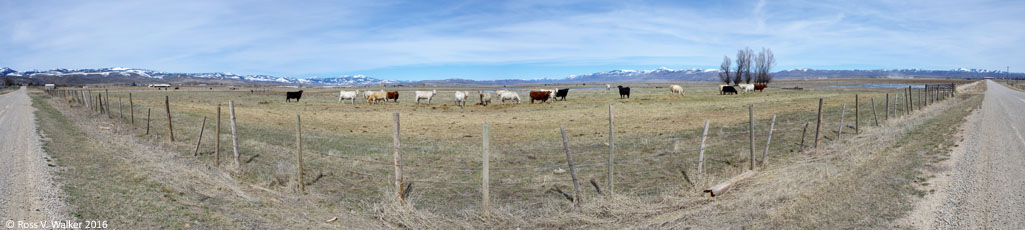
[[127, 76], [142, 77]]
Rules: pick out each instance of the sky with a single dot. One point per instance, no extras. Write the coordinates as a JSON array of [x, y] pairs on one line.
[[483, 40]]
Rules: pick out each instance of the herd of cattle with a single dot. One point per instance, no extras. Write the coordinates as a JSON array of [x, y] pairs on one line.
[[542, 95], [731, 89]]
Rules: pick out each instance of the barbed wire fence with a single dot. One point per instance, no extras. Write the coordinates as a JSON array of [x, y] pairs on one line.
[[643, 167]]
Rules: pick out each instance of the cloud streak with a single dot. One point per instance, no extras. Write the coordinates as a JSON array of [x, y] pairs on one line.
[[486, 40]]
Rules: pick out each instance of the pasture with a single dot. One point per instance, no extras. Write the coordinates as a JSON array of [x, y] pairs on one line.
[[348, 147]]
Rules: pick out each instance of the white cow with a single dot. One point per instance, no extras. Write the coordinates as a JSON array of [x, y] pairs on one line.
[[608, 87], [676, 89], [747, 87], [350, 95], [375, 97], [485, 98], [425, 95], [366, 94], [509, 95], [461, 98]]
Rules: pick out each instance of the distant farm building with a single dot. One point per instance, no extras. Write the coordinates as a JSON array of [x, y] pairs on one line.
[[50, 86], [159, 85]]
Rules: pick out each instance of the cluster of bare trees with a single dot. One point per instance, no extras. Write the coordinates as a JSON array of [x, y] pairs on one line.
[[746, 62]]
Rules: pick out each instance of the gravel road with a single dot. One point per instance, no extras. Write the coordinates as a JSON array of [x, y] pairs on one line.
[[28, 192], [984, 184]]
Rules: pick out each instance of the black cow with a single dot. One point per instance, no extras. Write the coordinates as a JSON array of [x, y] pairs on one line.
[[561, 93], [296, 95], [624, 92], [728, 90]]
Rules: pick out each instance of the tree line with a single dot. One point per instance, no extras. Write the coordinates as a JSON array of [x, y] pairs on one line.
[[746, 62]]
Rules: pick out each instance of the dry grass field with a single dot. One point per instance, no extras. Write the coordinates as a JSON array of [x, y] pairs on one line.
[[347, 150]]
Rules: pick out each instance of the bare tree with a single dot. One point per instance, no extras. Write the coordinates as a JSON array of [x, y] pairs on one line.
[[747, 64], [742, 64], [760, 67], [724, 70], [763, 66]]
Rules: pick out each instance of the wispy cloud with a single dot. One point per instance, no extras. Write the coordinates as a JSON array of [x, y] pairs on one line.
[[486, 40]]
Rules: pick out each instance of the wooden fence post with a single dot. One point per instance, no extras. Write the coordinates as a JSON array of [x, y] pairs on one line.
[[485, 165], [99, 98], [106, 98], [768, 141], [701, 150], [886, 110], [908, 106], [217, 139], [818, 125], [234, 133], [572, 171], [299, 154], [857, 115], [120, 110], [167, 105], [926, 92], [397, 146], [148, 110], [612, 149], [874, 114], [751, 135], [131, 107], [84, 99], [839, 132], [200, 139], [896, 105]]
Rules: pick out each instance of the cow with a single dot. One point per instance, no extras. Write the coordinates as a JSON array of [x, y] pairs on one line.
[[728, 90], [425, 95], [746, 87], [608, 87], [393, 95], [760, 87], [350, 95], [366, 94], [509, 95], [374, 97], [624, 92], [296, 95], [551, 92], [460, 98], [676, 89], [485, 98], [539, 96], [562, 94]]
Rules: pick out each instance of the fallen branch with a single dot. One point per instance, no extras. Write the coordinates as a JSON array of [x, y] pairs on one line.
[[721, 188], [555, 189], [595, 184]]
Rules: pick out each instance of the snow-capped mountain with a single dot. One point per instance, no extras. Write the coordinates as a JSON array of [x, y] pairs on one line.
[[347, 80], [896, 73], [123, 75]]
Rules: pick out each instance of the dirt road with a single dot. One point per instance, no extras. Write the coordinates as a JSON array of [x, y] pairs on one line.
[[27, 189], [982, 186]]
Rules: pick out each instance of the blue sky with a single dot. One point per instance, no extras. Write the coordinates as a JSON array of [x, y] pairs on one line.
[[408, 40]]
